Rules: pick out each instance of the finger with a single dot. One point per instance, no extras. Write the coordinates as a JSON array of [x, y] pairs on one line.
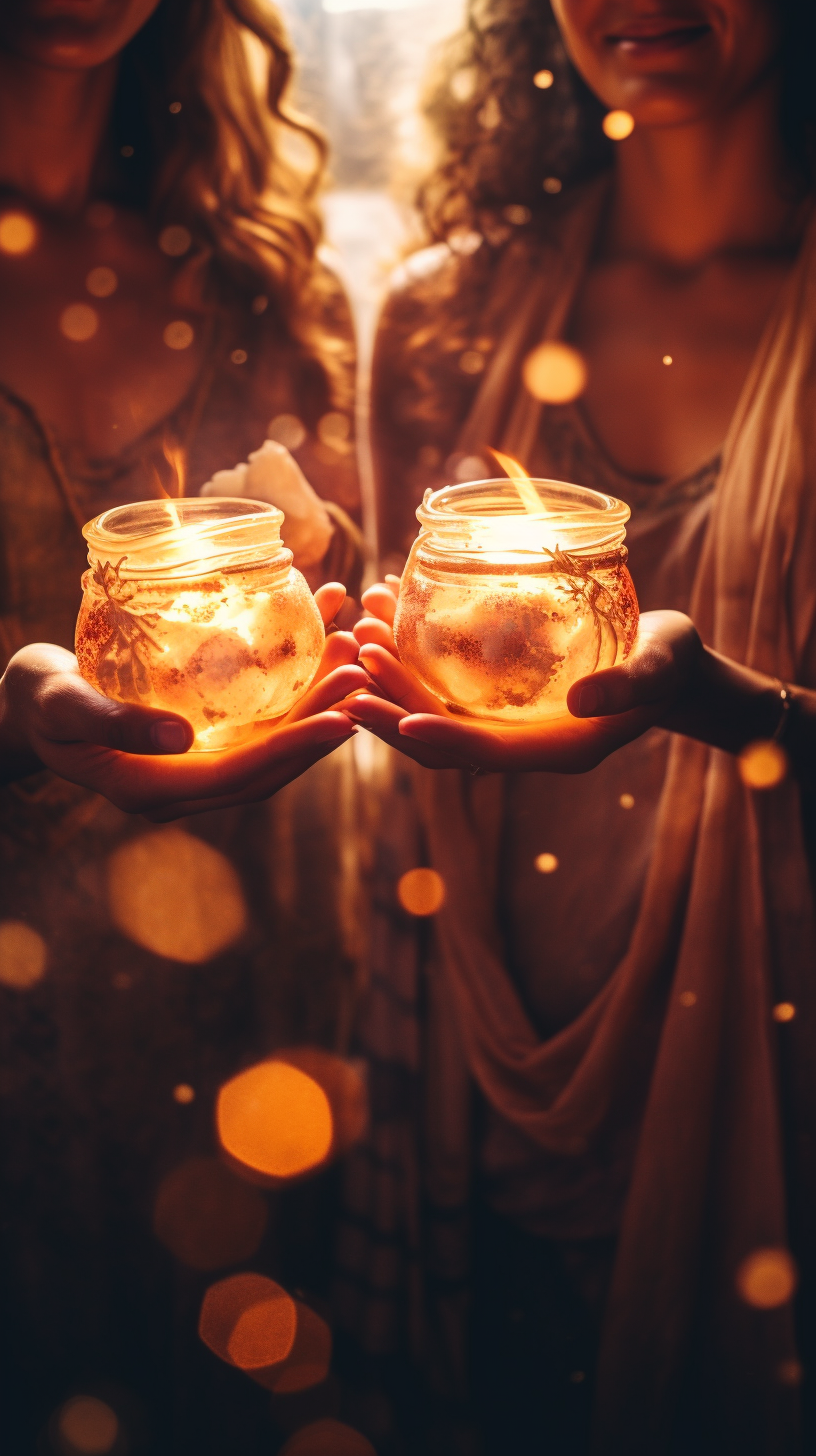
[[141, 785], [261, 789], [393, 583], [380, 601], [397, 682], [330, 599], [371, 630], [562, 745], [328, 692], [66, 709], [654, 672], [341, 649], [422, 753], [377, 714]]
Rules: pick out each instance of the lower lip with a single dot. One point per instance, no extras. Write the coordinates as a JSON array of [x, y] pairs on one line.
[[635, 46]]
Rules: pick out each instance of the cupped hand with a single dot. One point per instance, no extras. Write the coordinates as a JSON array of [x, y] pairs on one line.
[[609, 708], [137, 757]]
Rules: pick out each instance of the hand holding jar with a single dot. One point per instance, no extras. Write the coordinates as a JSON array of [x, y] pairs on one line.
[[136, 755], [604, 711]]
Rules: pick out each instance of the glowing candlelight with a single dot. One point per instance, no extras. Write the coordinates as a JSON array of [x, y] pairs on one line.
[[193, 605], [513, 590]]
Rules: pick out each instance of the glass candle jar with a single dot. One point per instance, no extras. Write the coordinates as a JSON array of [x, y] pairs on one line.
[[501, 609], [193, 605]]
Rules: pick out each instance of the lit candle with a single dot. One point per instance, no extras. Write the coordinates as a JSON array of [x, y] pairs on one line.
[[513, 590], [193, 606]]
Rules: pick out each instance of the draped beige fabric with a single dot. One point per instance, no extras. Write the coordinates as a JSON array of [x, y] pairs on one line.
[[726, 915]]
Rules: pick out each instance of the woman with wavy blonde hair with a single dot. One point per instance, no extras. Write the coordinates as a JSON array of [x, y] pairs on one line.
[[163, 312], [606, 1042]]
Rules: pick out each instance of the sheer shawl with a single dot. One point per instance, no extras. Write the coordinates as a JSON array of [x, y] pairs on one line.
[[683, 1032]]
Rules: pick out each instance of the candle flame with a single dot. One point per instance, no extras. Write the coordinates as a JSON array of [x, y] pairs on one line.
[[529, 495], [176, 459]]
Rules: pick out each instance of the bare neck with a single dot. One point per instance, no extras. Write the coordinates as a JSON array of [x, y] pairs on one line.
[[683, 194], [51, 127]]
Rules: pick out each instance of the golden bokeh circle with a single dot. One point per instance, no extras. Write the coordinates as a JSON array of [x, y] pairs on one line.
[[543, 79], [327, 1438], [767, 1279], [175, 895], [79, 322], [287, 430], [18, 233], [763, 765], [88, 1425], [264, 1333], [309, 1360], [554, 372], [23, 955], [421, 891], [178, 334], [175, 240], [627, 801], [184, 1094], [784, 1011], [552, 185], [101, 282], [275, 1120], [229, 1326], [546, 863], [207, 1217], [687, 998], [618, 125]]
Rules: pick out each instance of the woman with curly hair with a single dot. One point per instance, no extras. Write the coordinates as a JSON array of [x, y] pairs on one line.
[[162, 304], [612, 1106]]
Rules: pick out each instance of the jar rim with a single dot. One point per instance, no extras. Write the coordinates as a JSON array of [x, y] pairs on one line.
[[176, 534], [572, 517]]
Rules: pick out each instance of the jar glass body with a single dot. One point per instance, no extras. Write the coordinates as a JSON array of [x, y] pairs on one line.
[[501, 610], [194, 606]]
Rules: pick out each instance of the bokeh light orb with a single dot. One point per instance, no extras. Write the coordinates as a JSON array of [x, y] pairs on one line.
[[175, 240], [543, 79], [618, 125], [767, 1278], [421, 892], [101, 282], [274, 1120], [327, 1438], [178, 334], [554, 372], [309, 1359], [249, 1321], [763, 765], [23, 955], [175, 895], [207, 1217], [287, 430], [546, 863], [88, 1425], [18, 233], [79, 322], [264, 1333], [784, 1011]]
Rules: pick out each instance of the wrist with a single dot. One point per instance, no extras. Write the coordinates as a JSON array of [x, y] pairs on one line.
[[727, 705]]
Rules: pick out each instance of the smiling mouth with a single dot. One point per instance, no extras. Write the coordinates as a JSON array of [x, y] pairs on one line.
[[648, 41]]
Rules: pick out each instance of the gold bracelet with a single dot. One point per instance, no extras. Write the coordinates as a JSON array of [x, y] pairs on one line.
[[787, 702]]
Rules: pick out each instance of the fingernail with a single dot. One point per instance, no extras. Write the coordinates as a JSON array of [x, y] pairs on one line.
[[169, 737], [589, 701]]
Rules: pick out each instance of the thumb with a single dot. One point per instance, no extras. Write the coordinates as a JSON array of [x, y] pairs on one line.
[[69, 710], [661, 663]]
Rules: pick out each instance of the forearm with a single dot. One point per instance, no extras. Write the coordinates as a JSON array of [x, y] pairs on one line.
[[730, 706]]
